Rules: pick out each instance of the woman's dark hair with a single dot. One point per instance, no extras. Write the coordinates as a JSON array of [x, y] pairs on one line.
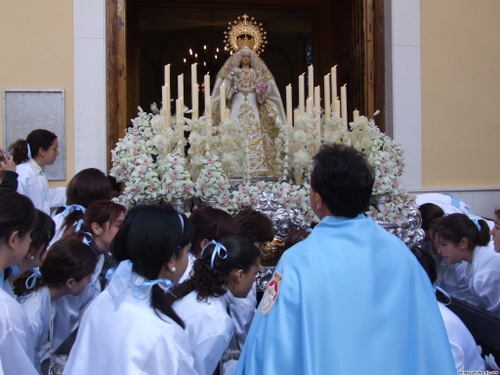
[[86, 187], [36, 139], [210, 281], [343, 179], [497, 209], [429, 212], [99, 212], [17, 213], [294, 237], [454, 227], [67, 258], [211, 223], [149, 237], [254, 225], [43, 232]]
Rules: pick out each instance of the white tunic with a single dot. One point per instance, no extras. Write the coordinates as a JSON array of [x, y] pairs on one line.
[[125, 336], [483, 277], [466, 354], [209, 329], [189, 268], [39, 314], [16, 351], [33, 183], [70, 309], [449, 203]]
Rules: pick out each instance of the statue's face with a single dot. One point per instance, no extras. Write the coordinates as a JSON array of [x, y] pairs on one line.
[[245, 59]]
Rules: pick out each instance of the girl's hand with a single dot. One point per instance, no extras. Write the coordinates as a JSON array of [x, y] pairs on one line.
[[7, 163]]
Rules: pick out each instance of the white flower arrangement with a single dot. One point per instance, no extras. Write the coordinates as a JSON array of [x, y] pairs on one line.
[[144, 160], [134, 161]]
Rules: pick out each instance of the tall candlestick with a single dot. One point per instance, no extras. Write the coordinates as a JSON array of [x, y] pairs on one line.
[[334, 83], [180, 86], [179, 119], [206, 86], [289, 104], [343, 103], [326, 81], [167, 75], [317, 99], [310, 81], [222, 102], [301, 93]]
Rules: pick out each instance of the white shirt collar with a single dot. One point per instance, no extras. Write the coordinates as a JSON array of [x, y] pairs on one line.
[[34, 165]]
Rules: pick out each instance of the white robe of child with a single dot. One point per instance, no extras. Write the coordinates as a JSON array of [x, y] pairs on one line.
[[122, 335], [33, 183], [465, 351], [209, 328], [483, 277], [38, 309], [16, 351]]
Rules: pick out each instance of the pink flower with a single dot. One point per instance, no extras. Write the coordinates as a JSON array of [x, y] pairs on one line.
[[261, 87]]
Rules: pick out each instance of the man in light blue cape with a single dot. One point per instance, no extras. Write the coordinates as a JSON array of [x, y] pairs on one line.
[[351, 298]]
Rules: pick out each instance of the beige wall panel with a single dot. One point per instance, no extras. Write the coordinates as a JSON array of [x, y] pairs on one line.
[[460, 57], [36, 40]]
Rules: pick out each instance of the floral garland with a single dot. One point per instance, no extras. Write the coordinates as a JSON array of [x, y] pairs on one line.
[[143, 160]]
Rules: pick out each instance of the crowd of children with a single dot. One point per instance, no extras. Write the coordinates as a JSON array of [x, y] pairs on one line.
[[98, 290]]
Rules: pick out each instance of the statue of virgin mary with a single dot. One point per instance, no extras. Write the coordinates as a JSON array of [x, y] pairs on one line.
[[252, 96]]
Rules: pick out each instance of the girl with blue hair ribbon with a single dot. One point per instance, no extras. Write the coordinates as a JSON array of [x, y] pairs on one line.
[[86, 187], [40, 239], [131, 328], [32, 156], [97, 228], [460, 238], [227, 266], [66, 270], [17, 220]]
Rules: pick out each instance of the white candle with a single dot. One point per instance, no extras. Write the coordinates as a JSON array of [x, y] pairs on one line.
[[206, 86], [196, 110], [164, 97], [317, 99], [167, 75], [334, 82], [337, 107], [180, 86], [180, 119], [194, 91], [227, 113], [295, 114], [327, 101], [222, 101], [289, 104], [310, 81], [343, 103], [310, 105], [317, 90], [355, 115], [301, 93], [208, 107]]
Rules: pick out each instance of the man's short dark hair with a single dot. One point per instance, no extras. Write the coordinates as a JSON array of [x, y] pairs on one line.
[[343, 178]]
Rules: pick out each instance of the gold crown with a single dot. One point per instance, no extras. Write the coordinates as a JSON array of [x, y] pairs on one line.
[[245, 34]]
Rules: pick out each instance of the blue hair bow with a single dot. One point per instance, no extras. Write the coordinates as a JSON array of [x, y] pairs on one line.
[[219, 250], [31, 280], [143, 288], [72, 207]]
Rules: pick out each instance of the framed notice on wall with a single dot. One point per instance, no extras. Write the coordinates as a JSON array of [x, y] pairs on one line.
[[25, 110]]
